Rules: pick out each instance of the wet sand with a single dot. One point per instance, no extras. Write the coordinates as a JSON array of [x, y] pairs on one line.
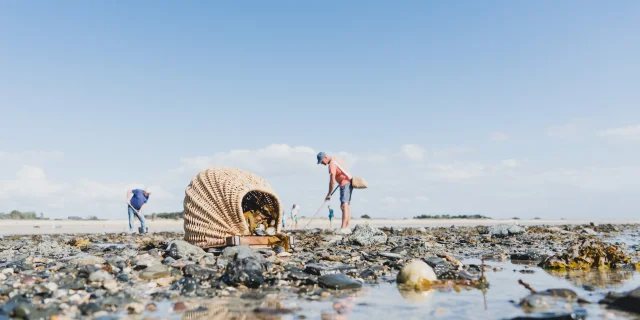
[[161, 225]]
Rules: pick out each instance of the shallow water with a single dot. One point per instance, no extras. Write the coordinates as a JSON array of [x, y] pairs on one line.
[[384, 300], [499, 301]]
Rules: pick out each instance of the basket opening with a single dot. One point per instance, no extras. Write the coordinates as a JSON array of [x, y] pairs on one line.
[[261, 201]]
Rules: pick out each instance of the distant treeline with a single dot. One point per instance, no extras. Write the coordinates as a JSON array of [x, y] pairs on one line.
[[81, 218], [446, 216], [166, 215], [17, 215]]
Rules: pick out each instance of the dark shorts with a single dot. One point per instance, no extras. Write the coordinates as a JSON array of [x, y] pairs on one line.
[[345, 193]]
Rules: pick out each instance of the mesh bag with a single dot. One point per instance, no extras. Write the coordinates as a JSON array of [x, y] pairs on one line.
[[216, 200]]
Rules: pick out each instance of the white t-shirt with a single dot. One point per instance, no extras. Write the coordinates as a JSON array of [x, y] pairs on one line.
[[294, 212]]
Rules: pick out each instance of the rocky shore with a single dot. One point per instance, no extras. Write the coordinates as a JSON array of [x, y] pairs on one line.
[[157, 276]]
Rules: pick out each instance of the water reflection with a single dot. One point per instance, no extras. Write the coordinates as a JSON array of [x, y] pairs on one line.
[[602, 279], [239, 310], [416, 296]]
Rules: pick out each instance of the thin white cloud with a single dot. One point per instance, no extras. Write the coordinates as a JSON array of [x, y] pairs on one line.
[[574, 129], [628, 133], [450, 152], [413, 152], [511, 163], [499, 136], [395, 188], [457, 171]]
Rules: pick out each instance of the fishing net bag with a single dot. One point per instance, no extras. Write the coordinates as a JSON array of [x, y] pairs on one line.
[[215, 202]]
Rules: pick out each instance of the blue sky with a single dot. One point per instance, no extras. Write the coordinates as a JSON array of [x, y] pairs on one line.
[[498, 107]]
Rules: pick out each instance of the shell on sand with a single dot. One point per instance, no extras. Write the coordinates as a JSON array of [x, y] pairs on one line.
[[417, 272]]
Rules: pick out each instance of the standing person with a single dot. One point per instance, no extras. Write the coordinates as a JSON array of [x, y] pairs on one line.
[[135, 205], [294, 214], [330, 217], [284, 217], [338, 173]]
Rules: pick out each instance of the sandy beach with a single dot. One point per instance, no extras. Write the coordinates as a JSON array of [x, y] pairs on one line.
[[8, 227]]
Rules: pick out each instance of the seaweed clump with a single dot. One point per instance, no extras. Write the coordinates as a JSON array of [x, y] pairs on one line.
[[261, 218], [588, 253]]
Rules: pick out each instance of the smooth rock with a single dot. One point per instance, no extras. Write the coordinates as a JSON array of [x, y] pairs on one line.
[[155, 272], [338, 282], [87, 260], [146, 261], [110, 285], [99, 276], [179, 249], [390, 255], [179, 307], [416, 272], [90, 308], [164, 282], [7, 271], [271, 231]]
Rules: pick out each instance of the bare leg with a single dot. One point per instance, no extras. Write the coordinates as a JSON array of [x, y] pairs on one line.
[[345, 220], [348, 209]]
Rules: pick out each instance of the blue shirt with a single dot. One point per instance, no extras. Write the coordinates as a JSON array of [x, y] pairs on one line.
[[330, 213], [138, 198]]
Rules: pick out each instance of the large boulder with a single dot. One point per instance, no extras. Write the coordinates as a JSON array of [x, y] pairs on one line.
[[367, 235]]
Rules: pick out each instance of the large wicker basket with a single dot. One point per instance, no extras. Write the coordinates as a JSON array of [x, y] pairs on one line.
[[215, 201]]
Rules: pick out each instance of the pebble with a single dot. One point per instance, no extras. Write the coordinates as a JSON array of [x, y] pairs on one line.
[[164, 282], [155, 272], [179, 307], [135, 307], [390, 255], [338, 282], [7, 271], [99, 276], [110, 285]]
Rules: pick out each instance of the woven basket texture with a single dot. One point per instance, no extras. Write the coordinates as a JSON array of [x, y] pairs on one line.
[[215, 201]]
